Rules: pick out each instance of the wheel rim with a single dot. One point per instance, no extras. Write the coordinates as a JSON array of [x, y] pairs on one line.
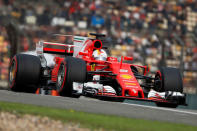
[[12, 73], [60, 77]]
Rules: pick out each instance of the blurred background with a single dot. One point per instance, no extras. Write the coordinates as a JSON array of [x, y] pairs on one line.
[[155, 32]]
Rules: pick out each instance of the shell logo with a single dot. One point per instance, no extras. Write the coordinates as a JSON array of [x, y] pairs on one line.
[[125, 76]]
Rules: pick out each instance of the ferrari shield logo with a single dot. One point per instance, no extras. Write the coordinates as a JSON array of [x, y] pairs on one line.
[[93, 67]]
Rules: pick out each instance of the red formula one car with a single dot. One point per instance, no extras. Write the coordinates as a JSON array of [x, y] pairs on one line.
[[85, 69]]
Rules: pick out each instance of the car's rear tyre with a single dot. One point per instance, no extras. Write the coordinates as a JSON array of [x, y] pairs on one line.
[[70, 70], [168, 79], [24, 73]]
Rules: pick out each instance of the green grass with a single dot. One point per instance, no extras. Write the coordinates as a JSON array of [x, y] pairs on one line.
[[95, 121]]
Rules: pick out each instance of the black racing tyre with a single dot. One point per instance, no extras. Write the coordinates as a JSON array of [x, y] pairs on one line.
[[24, 73], [70, 70], [168, 79]]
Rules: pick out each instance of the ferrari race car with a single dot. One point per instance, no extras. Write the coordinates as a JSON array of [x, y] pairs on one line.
[[84, 68]]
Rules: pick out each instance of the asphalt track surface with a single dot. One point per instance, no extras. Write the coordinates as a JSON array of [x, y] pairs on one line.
[[103, 107]]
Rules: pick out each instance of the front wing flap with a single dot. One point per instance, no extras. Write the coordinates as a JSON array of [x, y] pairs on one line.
[[178, 101]]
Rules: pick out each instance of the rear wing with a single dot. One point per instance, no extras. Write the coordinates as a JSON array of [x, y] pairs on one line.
[[53, 48], [61, 49]]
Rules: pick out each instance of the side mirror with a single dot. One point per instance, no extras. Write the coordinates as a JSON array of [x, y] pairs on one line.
[[83, 53], [128, 58]]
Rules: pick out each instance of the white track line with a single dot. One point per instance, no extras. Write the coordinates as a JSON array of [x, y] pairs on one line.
[[160, 108]]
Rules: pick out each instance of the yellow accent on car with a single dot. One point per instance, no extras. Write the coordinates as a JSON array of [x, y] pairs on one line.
[[125, 76], [99, 52], [93, 67], [133, 84]]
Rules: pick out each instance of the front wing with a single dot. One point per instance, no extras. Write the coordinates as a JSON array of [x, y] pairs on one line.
[[178, 101]]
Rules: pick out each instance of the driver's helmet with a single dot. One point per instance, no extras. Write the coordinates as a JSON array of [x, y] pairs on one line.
[[99, 54]]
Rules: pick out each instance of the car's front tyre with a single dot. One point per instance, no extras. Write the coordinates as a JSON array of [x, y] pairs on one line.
[[168, 79], [70, 70]]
